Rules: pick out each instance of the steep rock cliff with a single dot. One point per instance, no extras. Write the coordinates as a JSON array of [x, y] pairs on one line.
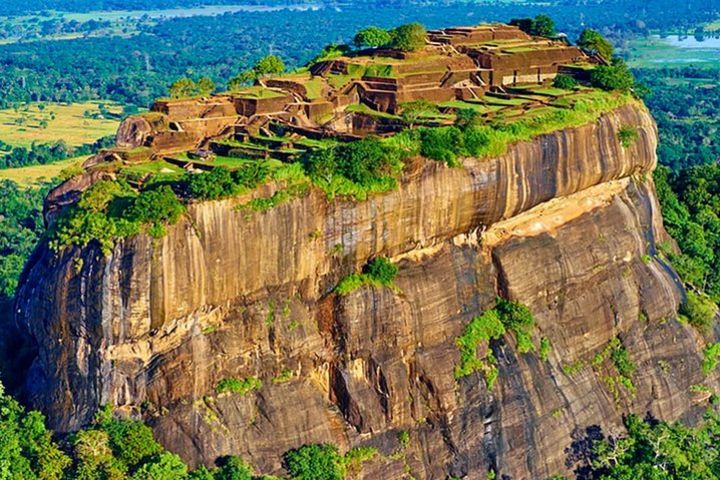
[[566, 224]]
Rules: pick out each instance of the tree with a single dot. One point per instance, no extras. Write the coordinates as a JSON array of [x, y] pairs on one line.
[[594, 43], [233, 468], [269, 65], [540, 26], [165, 466], [183, 88], [408, 38], [613, 77], [266, 66], [205, 87], [315, 462], [372, 37], [413, 111], [544, 26]]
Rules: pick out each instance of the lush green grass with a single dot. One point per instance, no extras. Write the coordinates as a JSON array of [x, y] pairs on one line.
[[36, 174], [64, 122]]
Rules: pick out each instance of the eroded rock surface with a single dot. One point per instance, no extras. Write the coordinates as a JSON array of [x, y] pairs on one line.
[[566, 224]]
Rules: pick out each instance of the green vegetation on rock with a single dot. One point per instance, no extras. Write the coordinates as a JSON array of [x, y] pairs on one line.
[[492, 325], [380, 272], [111, 210], [240, 386]]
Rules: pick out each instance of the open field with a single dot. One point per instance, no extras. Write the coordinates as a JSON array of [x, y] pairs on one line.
[[50, 122], [29, 176], [655, 52]]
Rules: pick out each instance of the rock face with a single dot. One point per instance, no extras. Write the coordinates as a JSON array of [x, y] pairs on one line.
[[566, 224]]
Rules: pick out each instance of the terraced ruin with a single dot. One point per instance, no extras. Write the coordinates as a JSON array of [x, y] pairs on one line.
[[497, 71]]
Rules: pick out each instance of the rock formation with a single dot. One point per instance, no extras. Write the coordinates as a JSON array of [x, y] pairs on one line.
[[567, 224]]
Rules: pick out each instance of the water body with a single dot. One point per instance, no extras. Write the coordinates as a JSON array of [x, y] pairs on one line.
[[708, 43], [208, 10]]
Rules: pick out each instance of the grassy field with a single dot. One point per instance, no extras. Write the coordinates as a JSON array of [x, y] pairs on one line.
[[653, 52], [30, 176], [33, 123]]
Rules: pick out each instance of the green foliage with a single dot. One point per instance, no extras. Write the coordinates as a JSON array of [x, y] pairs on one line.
[[111, 210], [566, 82], [330, 52], [186, 88], [240, 386], [518, 319], [484, 328], [594, 43], [443, 144], [233, 468], [613, 77], [540, 26], [545, 349], [157, 208], [372, 37], [354, 459], [355, 169], [492, 325], [166, 466], [659, 450], [404, 439], [27, 449], [315, 462], [691, 218], [380, 272], [268, 65], [408, 38], [21, 225], [616, 352], [222, 183], [627, 135], [711, 357], [699, 310], [412, 112]]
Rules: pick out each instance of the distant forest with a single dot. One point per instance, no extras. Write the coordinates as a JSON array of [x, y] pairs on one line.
[[137, 66]]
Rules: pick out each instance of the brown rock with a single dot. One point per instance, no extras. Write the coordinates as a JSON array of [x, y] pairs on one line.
[[556, 223]]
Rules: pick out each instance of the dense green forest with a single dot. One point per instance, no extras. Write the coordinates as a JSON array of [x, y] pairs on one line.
[[137, 62]]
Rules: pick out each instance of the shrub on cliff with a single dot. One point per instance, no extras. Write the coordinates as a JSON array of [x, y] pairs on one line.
[[380, 272], [356, 168], [443, 144], [110, 210], [627, 135], [156, 208], [372, 37], [613, 77], [566, 82]]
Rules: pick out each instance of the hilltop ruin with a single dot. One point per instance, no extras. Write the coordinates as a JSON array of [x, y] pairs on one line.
[[492, 69]]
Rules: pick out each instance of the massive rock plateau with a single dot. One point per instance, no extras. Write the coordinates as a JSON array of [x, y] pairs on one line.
[[567, 224]]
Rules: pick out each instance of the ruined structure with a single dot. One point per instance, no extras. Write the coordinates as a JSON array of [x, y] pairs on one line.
[[352, 96]]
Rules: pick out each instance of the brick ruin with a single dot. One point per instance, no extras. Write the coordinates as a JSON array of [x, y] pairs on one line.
[[352, 96]]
